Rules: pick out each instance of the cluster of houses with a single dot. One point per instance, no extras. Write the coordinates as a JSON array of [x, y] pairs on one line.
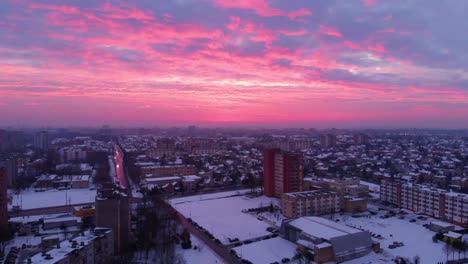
[[168, 164], [441, 161], [67, 176]]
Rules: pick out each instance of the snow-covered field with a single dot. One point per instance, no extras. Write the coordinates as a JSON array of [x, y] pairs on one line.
[[202, 254], [35, 218], [221, 214], [201, 197], [416, 238], [30, 199], [267, 251]]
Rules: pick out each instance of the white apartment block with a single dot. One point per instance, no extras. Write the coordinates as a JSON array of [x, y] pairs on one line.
[[307, 203], [442, 204]]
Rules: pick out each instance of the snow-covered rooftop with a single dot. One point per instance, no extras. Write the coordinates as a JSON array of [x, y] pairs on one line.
[[322, 228]]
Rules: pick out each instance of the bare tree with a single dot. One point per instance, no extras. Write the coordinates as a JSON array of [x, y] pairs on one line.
[[447, 249]]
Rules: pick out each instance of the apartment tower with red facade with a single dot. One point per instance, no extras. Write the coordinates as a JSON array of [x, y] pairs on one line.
[[282, 172], [3, 200]]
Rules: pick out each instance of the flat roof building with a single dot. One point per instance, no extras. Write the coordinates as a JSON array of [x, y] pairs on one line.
[[309, 203], [327, 240], [446, 205], [91, 247], [3, 201]]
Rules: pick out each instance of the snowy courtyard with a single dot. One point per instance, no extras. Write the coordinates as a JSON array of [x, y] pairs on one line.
[[267, 251], [221, 214], [30, 199], [202, 253], [416, 238]]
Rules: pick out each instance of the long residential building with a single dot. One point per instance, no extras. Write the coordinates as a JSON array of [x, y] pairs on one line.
[[168, 170], [346, 186], [3, 201], [442, 204], [310, 203]]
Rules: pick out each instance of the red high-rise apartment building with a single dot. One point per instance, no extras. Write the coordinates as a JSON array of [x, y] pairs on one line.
[[3, 200], [282, 172], [269, 171]]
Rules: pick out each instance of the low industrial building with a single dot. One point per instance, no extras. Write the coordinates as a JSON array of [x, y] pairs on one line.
[[190, 182], [84, 211], [354, 205], [60, 222], [326, 240], [47, 181], [441, 227], [151, 183]]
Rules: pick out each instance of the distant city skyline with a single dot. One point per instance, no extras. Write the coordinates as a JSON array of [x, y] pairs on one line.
[[258, 63]]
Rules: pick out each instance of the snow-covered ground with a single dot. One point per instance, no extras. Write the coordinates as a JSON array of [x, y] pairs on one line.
[[267, 251], [221, 214], [30, 199], [416, 238], [201, 197], [202, 254], [274, 218], [36, 218], [373, 258]]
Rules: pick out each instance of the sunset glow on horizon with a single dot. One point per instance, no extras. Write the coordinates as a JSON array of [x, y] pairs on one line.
[[356, 63]]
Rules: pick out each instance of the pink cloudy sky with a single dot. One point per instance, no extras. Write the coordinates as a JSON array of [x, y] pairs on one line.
[[346, 63]]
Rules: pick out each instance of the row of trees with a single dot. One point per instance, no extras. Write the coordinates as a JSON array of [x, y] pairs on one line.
[[452, 246]]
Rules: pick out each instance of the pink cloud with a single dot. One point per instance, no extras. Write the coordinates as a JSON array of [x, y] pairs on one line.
[[125, 12], [299, 13], [31, 104], [168, 17], [234, 23], [369, 2], [61, 8], [329, 31], [180, 84], [352, 45], [260, 7], [294, 33], [387, 30], [377, 47], [388, 18]]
